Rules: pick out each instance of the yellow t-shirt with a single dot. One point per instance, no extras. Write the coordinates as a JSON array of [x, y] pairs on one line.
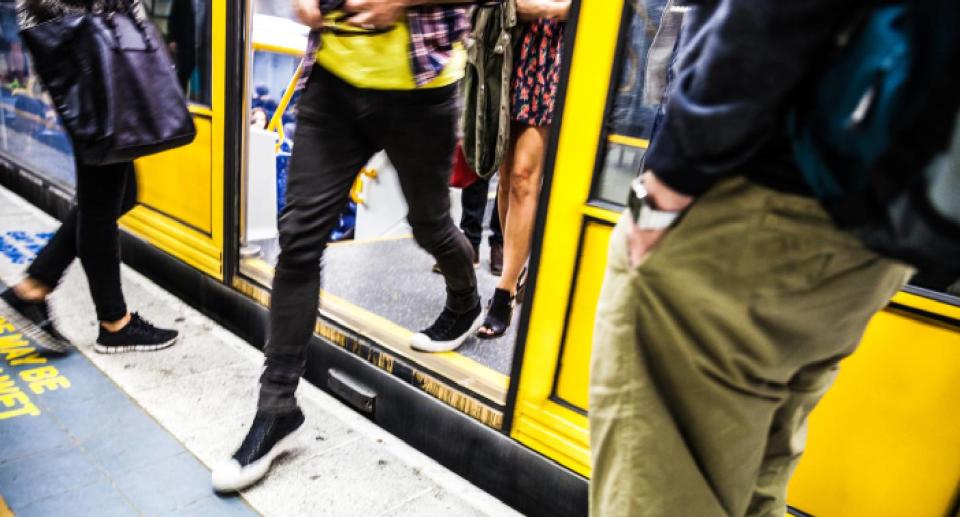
[[381, 61]]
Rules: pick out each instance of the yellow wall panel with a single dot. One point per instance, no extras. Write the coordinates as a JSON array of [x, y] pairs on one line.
[[177, 183], [182, 190], [574, 374], [886, 439]]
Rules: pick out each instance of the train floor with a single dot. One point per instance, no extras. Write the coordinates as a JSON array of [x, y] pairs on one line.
[[392, 278], [135, 434]]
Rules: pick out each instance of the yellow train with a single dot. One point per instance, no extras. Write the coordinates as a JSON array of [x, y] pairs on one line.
[[511, 414]]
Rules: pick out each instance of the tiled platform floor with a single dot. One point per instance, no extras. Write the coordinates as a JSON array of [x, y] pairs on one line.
[[85, 448]]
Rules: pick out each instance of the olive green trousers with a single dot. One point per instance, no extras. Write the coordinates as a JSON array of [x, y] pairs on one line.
[[709, 356]]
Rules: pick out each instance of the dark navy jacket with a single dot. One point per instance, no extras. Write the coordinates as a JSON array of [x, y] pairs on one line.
[[740, 63]]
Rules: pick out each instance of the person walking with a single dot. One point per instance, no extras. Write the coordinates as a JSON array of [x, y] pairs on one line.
[[730, 296], [533, 92], [90, 232], [384, 78]]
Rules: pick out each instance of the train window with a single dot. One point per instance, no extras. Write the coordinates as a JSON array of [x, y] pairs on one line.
[[646, 49], [30, 131], [277, 44], [632, 113], [937, 283], [186, 26]]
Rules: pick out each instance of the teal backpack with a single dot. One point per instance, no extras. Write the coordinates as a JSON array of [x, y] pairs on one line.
[[876, 136]]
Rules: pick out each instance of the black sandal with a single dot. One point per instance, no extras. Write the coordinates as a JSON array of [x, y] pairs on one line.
[[499, 314]]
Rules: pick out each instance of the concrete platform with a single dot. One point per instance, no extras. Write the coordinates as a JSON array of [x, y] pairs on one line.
[[135, 433]]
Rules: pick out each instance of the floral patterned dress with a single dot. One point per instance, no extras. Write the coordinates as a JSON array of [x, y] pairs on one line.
[[533, 89]]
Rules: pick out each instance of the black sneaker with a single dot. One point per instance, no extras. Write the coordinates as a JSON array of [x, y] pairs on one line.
[[449, 331], [138, 336], [32, 319], [268, 437]]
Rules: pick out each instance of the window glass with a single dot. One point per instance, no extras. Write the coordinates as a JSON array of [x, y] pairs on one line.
[[277, 42], [186, 26], [631, 116], [939, 283], [278, 8], [30, 131]]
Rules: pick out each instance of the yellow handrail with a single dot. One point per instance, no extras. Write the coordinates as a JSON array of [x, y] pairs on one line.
[[276, 123], [276, 126]]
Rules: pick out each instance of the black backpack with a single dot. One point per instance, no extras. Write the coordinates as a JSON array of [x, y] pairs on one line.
[[877, 136]]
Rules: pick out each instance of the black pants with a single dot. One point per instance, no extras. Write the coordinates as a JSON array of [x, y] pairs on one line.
[[340, 127], [90, 232], [474, 202]]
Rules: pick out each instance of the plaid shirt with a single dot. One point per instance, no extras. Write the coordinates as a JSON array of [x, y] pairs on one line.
[[433, 31]]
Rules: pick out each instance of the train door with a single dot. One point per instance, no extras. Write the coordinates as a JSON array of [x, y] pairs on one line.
[[181, 191], [378, 285], [600, 144], [884, 441]]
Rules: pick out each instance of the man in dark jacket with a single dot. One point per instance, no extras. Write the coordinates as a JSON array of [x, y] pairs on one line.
[[730, 296]]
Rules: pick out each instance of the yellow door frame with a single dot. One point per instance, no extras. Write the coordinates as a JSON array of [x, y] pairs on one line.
[[541, 422]]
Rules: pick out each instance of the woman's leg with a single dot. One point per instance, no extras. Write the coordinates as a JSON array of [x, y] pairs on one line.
[[104, 193], [520, 181], [503, 185], [522, 193], [47, 269]]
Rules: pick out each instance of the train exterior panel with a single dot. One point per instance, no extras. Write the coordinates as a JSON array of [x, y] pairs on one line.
[[511, 417]]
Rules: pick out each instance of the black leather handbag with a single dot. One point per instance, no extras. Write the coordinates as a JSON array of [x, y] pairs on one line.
[[113, 83]]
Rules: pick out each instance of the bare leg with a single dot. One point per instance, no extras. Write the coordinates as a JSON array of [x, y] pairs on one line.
[[519, 189]]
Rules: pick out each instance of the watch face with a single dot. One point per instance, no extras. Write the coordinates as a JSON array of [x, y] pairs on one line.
[[639, 190], [635, 198]]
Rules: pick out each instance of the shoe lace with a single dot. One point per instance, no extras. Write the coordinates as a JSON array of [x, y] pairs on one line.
[[141, 321], [141, 325]]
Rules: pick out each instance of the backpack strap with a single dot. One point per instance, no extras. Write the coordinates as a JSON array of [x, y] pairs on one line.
[[926, 124]]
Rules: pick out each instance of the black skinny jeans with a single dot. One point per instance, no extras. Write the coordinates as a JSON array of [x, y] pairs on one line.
[[339, 129], [474, 202], [90, 232]]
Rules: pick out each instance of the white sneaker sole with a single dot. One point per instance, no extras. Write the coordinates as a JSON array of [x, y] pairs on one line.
[[230, 476], [421, 342], [119, 349]]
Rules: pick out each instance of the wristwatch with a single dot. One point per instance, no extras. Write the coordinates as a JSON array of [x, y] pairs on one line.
[[644, 215]]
